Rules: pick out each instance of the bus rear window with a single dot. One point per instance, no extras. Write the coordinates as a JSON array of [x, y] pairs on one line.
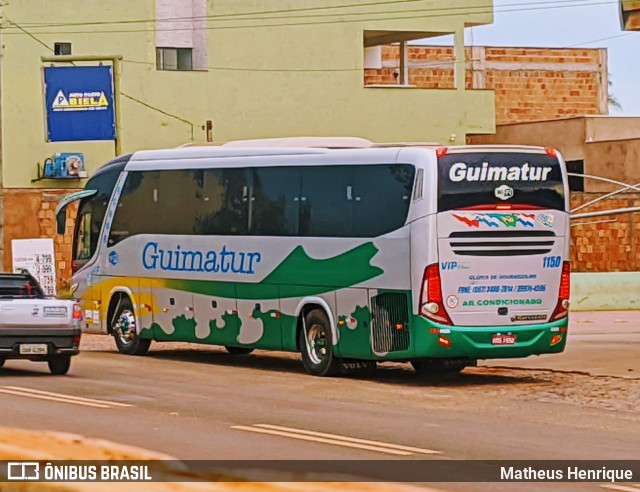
[[477, 179]]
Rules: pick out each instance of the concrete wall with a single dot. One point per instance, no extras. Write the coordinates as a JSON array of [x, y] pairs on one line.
[[605, 291]]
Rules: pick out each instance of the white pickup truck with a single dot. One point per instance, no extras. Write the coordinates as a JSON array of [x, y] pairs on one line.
[[36, 327]]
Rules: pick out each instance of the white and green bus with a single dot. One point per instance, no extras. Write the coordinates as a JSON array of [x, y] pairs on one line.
[[435, 255]]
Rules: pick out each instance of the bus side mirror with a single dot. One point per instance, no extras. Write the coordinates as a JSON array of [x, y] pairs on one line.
[[61, 221]]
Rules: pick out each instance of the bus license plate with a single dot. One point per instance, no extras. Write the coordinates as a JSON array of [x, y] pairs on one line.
[[503, 339], [33, 349]]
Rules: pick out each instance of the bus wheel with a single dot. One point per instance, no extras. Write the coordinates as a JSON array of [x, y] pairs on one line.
[[439, 366], [316, 345], [125, 331], [238, 350]]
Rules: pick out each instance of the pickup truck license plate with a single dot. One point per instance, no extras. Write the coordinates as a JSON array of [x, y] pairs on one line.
[[503, 339], [33, 349], [55, 311]]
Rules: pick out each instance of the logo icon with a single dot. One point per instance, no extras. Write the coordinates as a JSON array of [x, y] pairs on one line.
[[504, 192], [113, 258], [23, 470], [35, 311], [452, 302], [545, 219]]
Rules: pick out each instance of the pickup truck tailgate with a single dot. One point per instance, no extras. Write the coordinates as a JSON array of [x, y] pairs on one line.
[[35, 313]]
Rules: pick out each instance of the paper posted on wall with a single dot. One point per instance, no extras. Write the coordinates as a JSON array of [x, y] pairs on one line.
[[38, 257]]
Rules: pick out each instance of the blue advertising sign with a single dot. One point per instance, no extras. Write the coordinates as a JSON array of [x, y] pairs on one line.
[[79, 103]]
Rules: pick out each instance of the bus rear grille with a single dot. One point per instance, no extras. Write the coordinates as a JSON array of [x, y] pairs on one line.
[[502, 243], [390, 319]]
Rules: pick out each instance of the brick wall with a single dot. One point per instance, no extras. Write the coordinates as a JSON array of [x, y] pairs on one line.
[[530, 83], [608, 243], [30, 214]]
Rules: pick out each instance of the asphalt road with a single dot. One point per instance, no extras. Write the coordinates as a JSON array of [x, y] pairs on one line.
[[197, 402]]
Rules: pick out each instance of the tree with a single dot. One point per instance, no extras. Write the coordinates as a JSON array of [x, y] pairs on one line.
[[612, 99]]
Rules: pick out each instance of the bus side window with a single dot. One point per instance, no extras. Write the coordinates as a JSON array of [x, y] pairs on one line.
[[276, 201], [385, 190], [225, 203]]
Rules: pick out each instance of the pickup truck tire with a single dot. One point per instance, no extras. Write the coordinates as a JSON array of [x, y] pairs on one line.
[[59, 364], [125, 331]]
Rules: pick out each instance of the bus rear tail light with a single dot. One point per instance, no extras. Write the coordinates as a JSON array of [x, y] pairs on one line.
[[431, 306], [562, 308]]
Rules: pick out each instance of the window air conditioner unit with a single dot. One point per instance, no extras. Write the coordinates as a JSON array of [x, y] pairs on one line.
[[65, 165]]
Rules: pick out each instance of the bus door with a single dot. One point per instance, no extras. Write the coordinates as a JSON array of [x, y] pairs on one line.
[[85, 264]]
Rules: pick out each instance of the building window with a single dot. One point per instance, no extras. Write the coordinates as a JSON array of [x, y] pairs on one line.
[[174, 58], [576, 183], [62, 49]]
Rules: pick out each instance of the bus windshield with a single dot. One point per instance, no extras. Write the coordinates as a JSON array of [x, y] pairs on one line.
[[475, 179]]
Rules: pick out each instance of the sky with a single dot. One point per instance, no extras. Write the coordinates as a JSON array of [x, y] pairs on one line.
[[582, 23]]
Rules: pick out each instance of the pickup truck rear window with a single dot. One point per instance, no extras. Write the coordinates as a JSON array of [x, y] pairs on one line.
[[19, 286]]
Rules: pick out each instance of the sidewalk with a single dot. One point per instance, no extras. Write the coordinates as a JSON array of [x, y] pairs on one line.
[[601, 320], [601, 343]]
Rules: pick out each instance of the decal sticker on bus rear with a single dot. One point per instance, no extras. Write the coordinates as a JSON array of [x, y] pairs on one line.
[[504, 219]]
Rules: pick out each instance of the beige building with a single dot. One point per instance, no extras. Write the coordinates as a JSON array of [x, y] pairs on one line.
[[603, 146], [630, 15], [253, 69]]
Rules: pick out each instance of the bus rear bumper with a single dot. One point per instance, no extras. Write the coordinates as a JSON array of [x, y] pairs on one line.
[[433, 340]]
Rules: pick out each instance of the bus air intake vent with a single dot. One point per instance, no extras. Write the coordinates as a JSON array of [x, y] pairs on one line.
[[390, 319], [502, 243]]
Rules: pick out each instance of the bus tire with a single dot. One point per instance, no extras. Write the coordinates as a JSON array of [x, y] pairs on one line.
[[238, 350], [316, 345], [59, 364], [432, 367], [124, 327]]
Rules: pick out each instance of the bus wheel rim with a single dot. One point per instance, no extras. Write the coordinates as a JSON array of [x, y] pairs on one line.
[[125, 326], [316, 341]]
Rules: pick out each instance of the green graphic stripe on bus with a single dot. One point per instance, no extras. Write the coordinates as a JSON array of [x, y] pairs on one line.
[[227, 332], [345, 270]]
